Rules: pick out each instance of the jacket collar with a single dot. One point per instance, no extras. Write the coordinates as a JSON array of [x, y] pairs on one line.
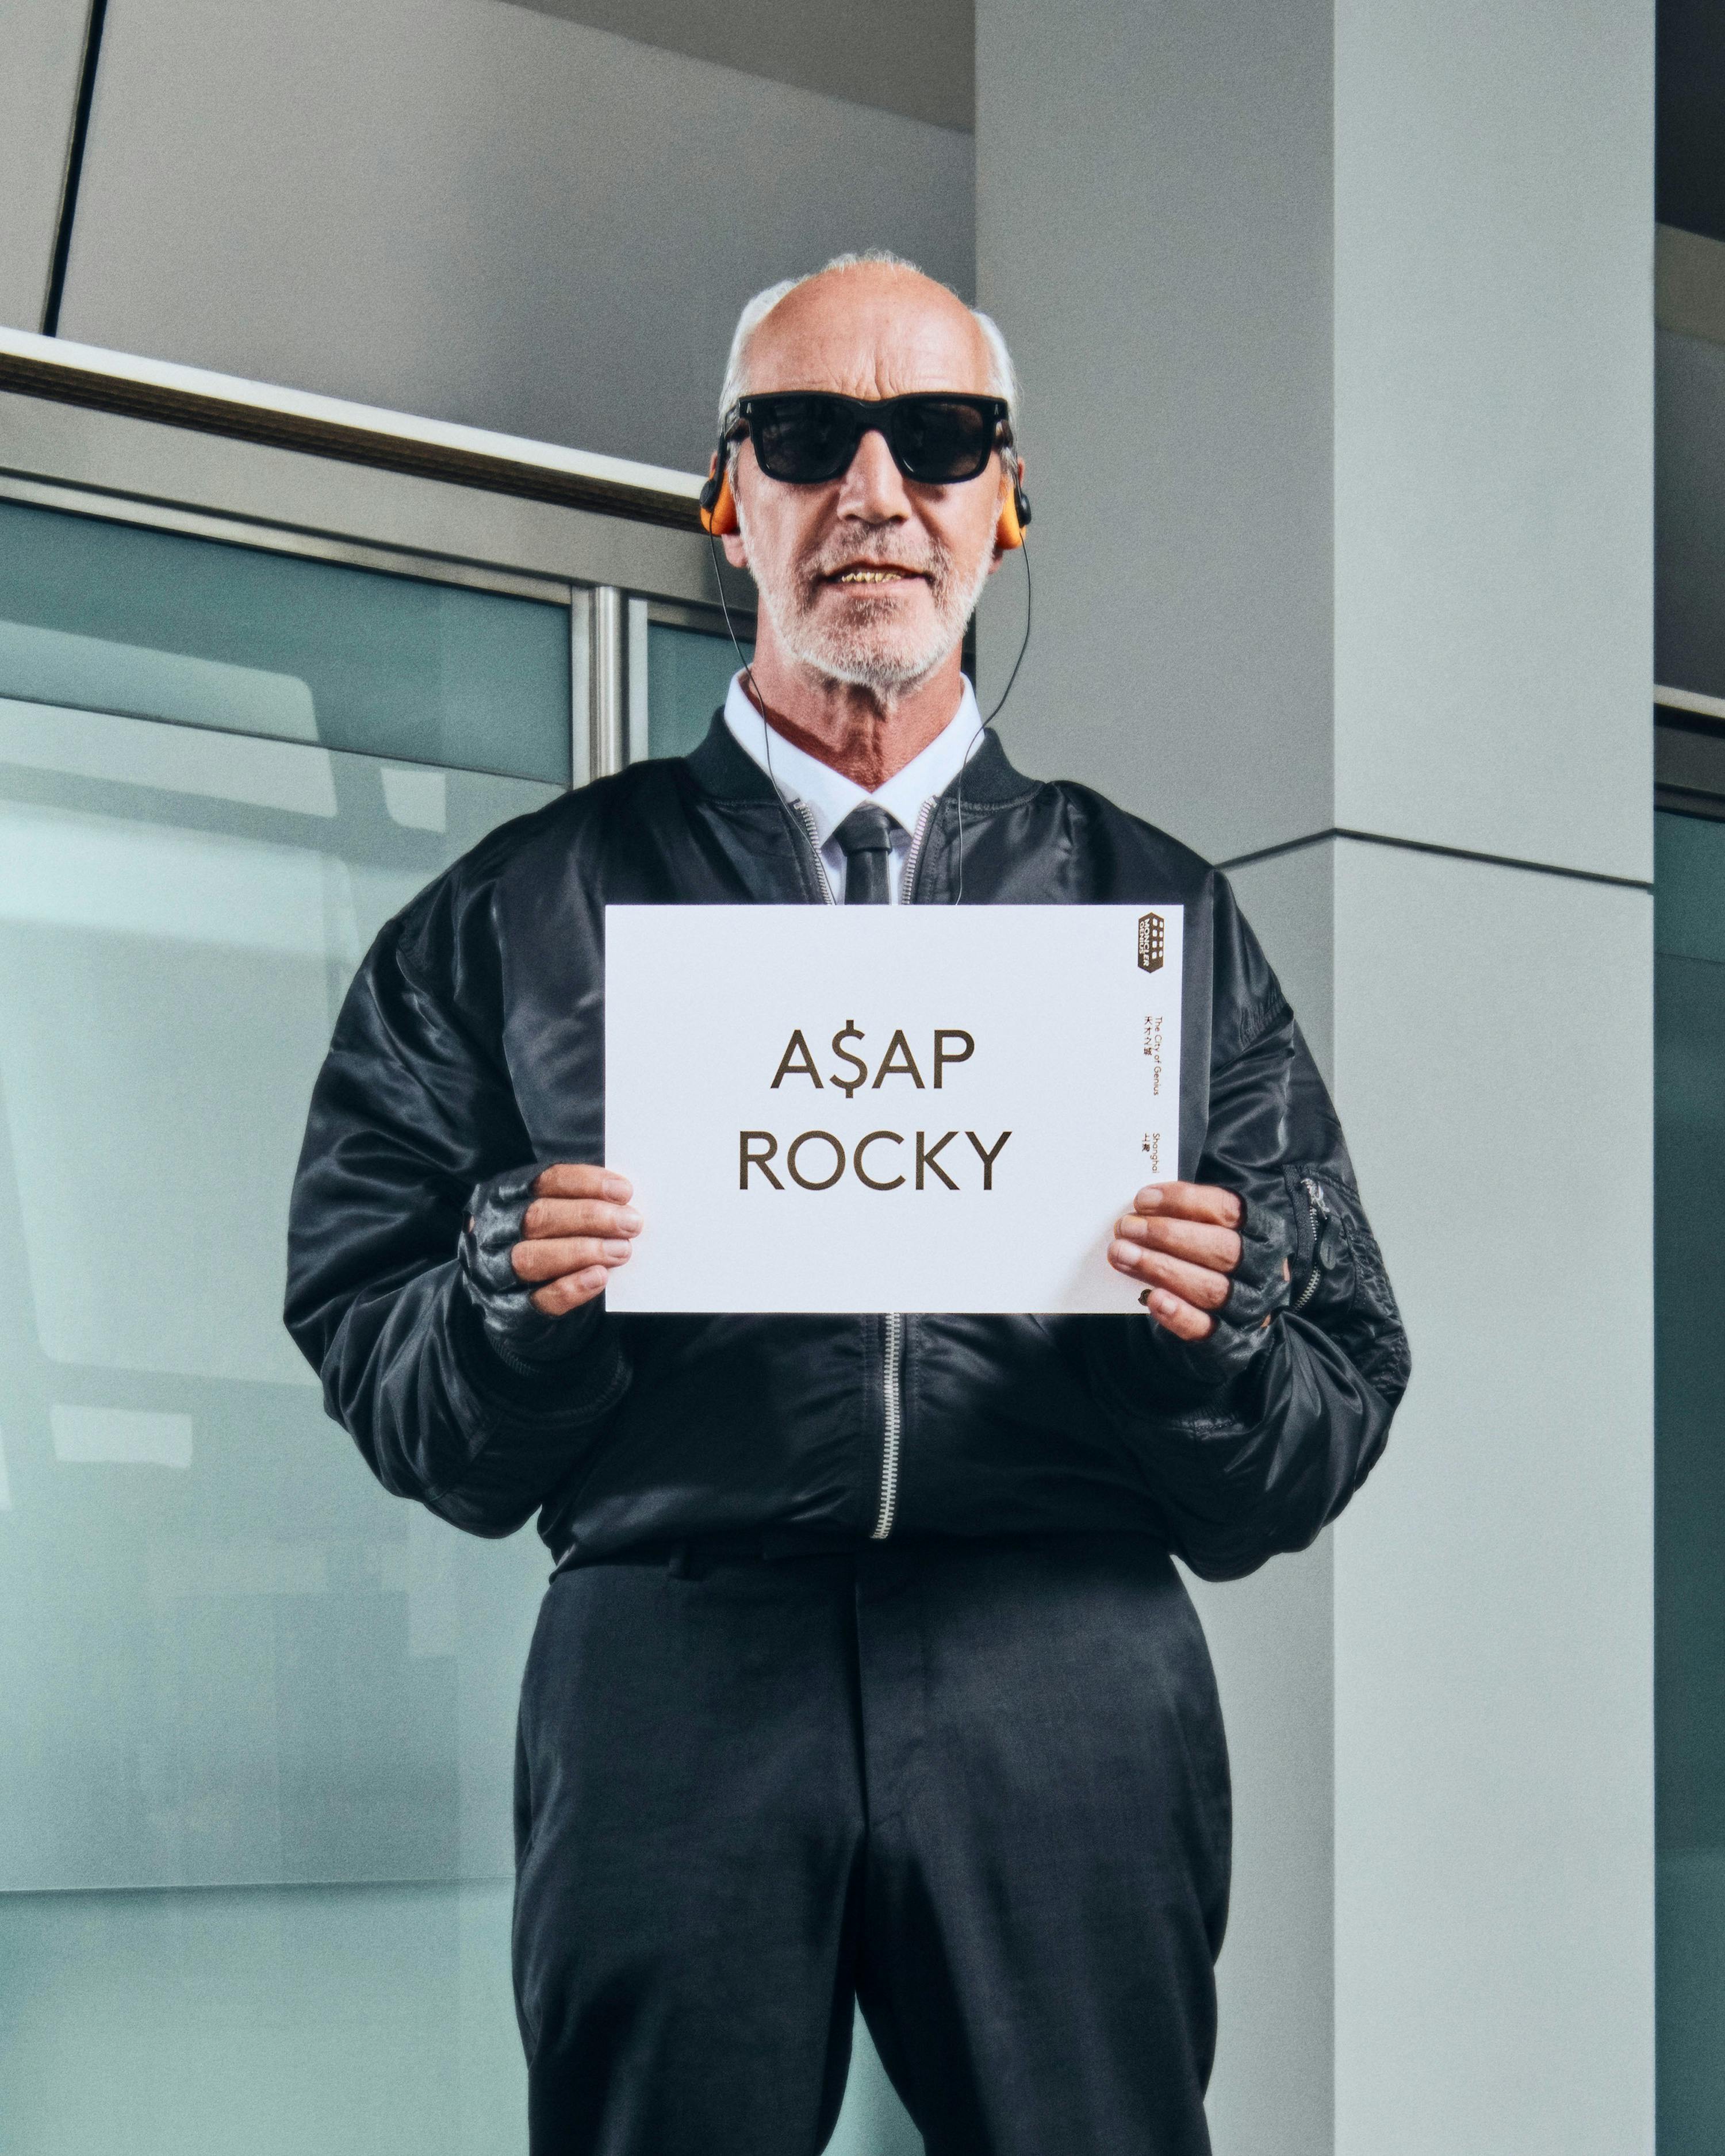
[[724, 769]]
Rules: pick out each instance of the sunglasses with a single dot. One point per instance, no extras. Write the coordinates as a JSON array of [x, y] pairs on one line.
[[805, 436]]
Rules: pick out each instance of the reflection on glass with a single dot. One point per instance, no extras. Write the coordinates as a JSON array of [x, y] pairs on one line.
[[1689, 913], [225, 1656], [688, 675], [288, 2021], [156, 625], [283, 2021]]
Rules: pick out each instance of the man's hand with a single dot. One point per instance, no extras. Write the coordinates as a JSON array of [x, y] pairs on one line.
[[577, 1227], [1181, 1239]]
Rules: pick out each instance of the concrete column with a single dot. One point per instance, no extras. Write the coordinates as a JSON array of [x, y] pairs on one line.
[[1335, 326]]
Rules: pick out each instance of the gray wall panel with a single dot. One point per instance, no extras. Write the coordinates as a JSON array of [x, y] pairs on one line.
[[475, 212], [1443, 374], [1154, 235], [41, 45], [909, 56], [1493, 1581], [1271, 1638], [1494, 409], [1289, 900], [1343, 481], [1273, 2092]]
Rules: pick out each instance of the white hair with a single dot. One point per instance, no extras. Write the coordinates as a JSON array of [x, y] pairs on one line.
[[1004, 381]]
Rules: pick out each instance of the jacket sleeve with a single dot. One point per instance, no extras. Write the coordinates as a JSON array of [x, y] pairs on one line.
[[1248, 1461], [411, 1110]]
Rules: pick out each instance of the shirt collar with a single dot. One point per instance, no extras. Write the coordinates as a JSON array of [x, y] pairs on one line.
[[827, 794]]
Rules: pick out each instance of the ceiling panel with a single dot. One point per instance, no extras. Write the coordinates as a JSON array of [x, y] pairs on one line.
[[916, 57]]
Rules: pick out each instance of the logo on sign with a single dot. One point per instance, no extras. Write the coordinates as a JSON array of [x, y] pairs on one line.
[[1151, 940]]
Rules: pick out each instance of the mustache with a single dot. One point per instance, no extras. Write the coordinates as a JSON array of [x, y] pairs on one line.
[[844, 550]]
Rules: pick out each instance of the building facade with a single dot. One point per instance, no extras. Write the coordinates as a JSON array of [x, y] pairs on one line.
[[345, 511]]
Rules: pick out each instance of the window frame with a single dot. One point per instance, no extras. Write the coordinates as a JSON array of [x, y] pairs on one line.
[[368, 490]]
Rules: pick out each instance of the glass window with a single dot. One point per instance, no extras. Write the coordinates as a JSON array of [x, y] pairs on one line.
[[256, 1716], [689, 672], [157, 624], [1689, 914]]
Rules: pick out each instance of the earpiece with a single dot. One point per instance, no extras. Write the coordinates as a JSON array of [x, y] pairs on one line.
[[718, 505], [1009, 532]]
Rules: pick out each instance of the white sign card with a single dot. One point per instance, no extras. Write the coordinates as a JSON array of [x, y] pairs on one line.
[[887, 1107]]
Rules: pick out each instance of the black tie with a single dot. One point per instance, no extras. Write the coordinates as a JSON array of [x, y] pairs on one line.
[[865, 838]]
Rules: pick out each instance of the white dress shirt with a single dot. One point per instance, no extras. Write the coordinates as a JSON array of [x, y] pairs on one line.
[[829, 796]]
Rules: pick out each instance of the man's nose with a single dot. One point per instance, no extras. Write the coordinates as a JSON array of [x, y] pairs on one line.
[[873, 490]]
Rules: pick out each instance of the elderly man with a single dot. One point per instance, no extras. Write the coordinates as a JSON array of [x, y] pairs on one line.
[[864, 1673]]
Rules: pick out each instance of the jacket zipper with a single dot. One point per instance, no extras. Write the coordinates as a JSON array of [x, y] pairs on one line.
[[892, 1359], [1320, 1211], [805, 816], [892, 1362]]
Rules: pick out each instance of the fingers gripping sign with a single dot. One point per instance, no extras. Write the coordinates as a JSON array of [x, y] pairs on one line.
[[578, 1226], [1184, 1241], [540, 1244], [1213, 1274]]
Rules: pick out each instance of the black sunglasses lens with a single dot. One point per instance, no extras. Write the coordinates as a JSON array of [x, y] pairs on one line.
[[804, 439], [939, 440]]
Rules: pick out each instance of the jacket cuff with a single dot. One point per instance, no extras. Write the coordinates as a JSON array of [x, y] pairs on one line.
[[584, 1379], [1147, 1375]]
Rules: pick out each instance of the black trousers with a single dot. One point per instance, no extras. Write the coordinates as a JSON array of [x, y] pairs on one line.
[[981, 1789]]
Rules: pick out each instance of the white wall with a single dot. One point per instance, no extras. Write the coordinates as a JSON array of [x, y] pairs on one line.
[[472, 210]]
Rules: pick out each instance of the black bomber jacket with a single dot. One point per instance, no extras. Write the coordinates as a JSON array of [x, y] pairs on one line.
[[472, 1042]]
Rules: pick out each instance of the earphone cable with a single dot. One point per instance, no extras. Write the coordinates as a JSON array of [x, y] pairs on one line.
[[756, 698], [1023, 646]]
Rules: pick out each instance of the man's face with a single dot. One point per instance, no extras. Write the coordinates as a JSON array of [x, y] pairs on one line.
[[869, 577]]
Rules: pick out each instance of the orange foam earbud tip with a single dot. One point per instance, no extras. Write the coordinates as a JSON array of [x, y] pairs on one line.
[[1009, 532], [722, 517]]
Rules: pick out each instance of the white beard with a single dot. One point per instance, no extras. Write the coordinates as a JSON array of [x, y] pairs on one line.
[[871, 653]]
